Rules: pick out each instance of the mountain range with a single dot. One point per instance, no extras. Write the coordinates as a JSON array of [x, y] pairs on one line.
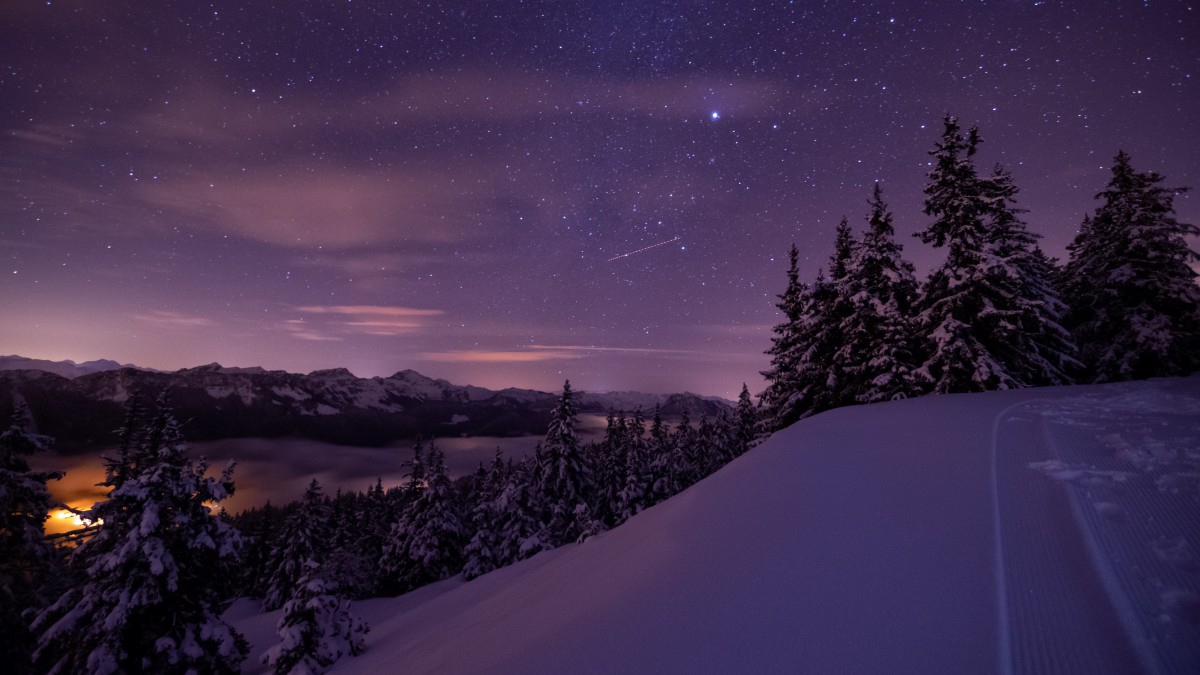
[[83, 404]]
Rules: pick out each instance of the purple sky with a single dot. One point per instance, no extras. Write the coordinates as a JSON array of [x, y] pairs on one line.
[[453, 186]]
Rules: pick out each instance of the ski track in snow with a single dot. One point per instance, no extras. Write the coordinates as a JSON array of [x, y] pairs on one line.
[[1032, 531], [1128, 465]]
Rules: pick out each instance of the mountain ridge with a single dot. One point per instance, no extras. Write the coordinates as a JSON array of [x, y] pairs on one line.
[[333, 405]]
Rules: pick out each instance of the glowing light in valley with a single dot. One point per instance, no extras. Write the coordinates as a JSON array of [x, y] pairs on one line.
[[646, 248]]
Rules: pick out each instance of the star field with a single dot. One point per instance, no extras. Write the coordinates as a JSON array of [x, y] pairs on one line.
[[458, 187]]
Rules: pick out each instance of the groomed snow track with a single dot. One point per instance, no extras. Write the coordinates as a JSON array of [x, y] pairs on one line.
[[1123, 469]]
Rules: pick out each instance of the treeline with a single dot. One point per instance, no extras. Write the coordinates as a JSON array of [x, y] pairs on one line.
[[145, 589], [997, 314], [390, 541]]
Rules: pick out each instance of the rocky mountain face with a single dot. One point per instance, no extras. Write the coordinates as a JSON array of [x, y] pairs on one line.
[[334, 405]]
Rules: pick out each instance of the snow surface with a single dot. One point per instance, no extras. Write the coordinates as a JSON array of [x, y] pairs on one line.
[[1038, 530]]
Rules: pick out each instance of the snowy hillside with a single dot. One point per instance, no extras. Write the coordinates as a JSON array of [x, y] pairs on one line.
[[1048, 530]]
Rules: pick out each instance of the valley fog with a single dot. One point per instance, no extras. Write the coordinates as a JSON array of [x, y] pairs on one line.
[[278, 469]]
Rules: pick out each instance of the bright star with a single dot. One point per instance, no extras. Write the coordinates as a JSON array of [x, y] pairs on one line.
[[716, 115]]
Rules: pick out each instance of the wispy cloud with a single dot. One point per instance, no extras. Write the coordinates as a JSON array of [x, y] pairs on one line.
[[301, 330], [381, 320], [486, 356], [625, 350], [369, 310], [173, 319], [533, 353]]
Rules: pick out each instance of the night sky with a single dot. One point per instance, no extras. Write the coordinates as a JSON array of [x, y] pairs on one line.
[[514, 193]]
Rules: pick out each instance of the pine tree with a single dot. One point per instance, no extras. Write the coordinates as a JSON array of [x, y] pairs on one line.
[[522, 533], [634, 495], [483, 552], [426, 543], [1037, 349], [564, 477], [153, 573], [306, 535], [879, 345], [745, 421], [316, 628], [27, 560], [660, 451], [611, 459], [1135, 304], [685, 461], [987, 312], [787, 347], [828, 337]]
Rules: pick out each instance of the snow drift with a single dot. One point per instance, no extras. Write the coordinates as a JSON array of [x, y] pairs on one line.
[[1046, 530]]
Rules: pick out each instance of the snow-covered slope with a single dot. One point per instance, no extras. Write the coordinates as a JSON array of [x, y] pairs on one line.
[[921, 536]]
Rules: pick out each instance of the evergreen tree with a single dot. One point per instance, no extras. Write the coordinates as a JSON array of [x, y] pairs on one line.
[[1036, 349], [483, 553], [879, 345], [828, 337], [745, 421], [27, 560], [564, 477], [685, 461], [787, 347], [1135, 304], [259, 528], [153, 573], [426, 543], [316, 628], [634, 495], [985, 312], [611, 459], [306, 536], [660, 450], [522, 533]]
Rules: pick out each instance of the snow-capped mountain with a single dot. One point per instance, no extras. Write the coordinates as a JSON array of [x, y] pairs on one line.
[[330, 405]]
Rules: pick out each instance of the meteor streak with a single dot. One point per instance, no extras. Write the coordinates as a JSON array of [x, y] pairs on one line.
[[647, 248]]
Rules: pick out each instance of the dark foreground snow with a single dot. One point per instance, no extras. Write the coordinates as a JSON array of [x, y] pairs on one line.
[[1048, 530]]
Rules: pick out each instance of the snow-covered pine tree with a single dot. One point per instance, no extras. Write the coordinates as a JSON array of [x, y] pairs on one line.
[[710, 447], [373, 520], [1034, 346], [153, 574], [306, 535], [482, 554], [808, 373], [520, 528], [879, 346], [685, 459], [349, 564], [634, 495], [27, 560], [316, 628], [828, 339], [787, 346], [745, 422], [259, 528], [611, 459], [1134, 301], [985, 313], [426, 543], [564, 477], [660, 451]]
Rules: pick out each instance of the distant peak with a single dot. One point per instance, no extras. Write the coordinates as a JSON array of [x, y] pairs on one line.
[[332, 372]]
